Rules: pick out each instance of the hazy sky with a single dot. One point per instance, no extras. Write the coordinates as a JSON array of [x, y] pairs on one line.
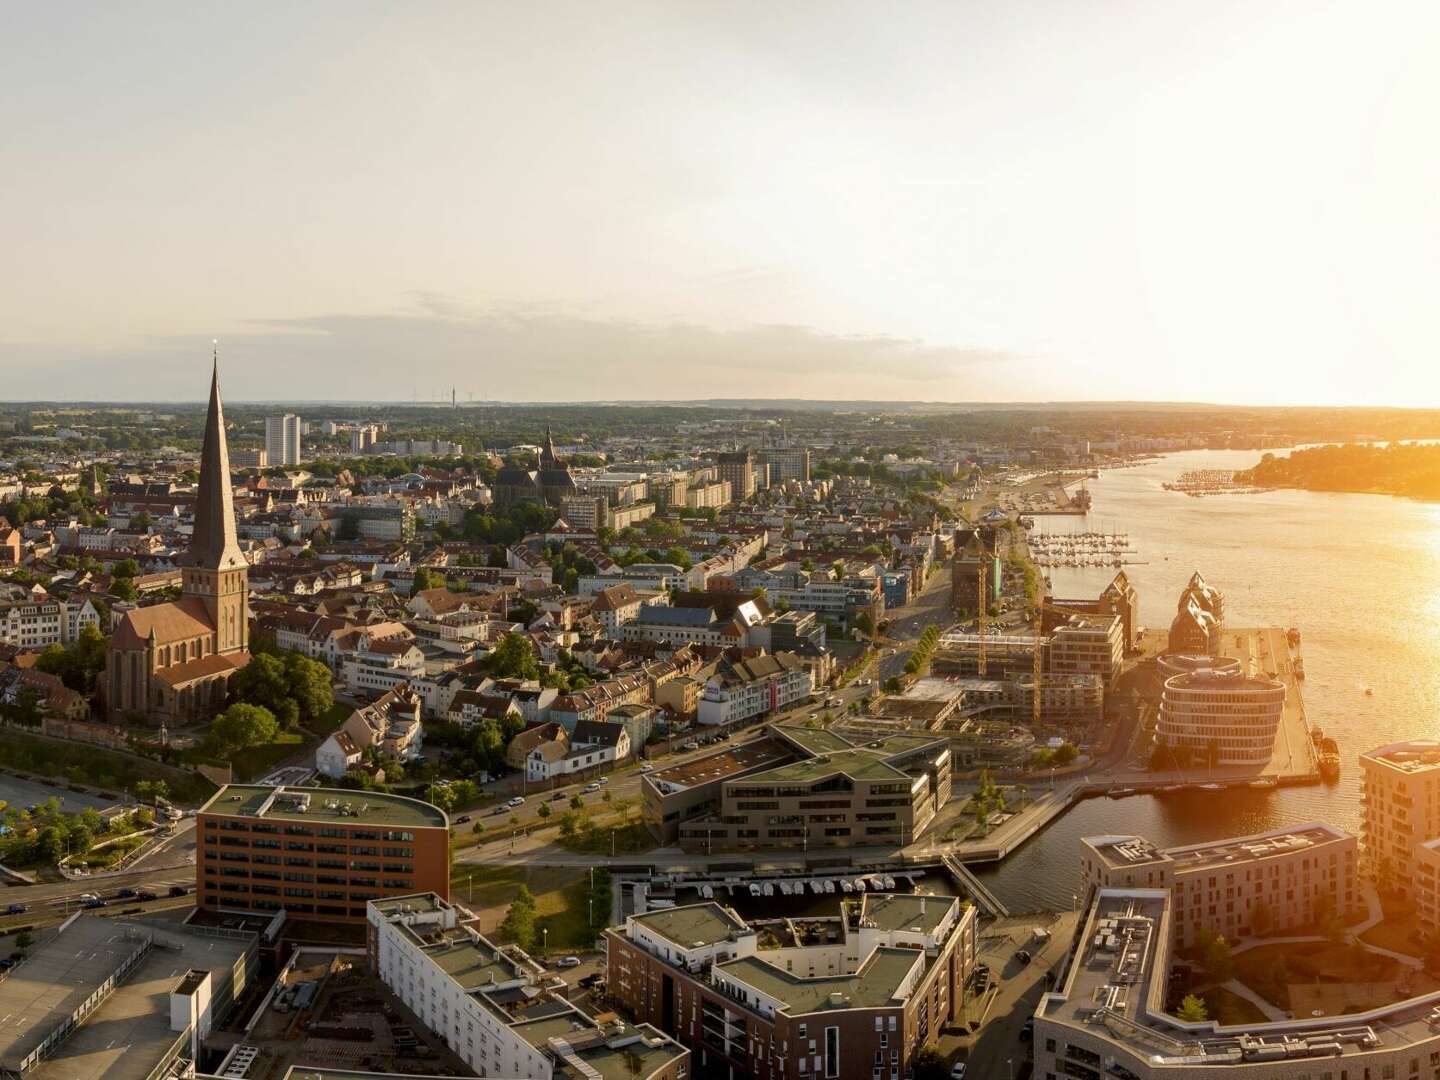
[[598, 200]]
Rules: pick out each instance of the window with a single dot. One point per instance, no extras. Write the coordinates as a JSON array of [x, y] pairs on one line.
[[832, 1051]]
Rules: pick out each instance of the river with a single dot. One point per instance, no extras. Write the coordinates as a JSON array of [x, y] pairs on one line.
[[1359, 575]]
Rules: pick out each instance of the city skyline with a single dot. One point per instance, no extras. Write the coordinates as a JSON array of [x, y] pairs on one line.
[[954, 203]]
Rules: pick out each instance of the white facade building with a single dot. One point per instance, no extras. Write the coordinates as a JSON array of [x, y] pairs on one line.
[[282, 439]]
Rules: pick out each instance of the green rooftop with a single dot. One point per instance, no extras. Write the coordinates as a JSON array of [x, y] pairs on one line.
[[873, 986], [694, 924], [261, 802], [815, 740], [856, 764]]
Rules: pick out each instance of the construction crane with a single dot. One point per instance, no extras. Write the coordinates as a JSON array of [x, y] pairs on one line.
[[980, 612]]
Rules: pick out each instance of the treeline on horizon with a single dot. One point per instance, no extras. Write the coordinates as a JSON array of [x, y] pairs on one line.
[[1411, 469]]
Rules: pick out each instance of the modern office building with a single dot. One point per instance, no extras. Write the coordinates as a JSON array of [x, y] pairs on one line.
[[855, 1000], [1400, 810], [282, 439], [1221, 718], [498, 1009], [316, 852], [1268, 882], [1088, 645], [801, 787]]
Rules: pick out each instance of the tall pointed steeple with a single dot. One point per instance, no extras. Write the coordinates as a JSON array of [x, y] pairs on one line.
[[214, 545], [547, 456]]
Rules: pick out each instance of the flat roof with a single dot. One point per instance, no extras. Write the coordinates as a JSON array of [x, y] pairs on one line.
[[1415, 755], [731, 761], [904, 911], [856, 764], [694, 924], [1123, 952], [127, 1035], [1124, 852], [875, 985], [260, 801]]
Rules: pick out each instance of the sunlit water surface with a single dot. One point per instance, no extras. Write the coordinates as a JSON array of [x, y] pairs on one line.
[[1359, 575]]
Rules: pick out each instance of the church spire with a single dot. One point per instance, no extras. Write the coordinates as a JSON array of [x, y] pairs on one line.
[[214, 545]]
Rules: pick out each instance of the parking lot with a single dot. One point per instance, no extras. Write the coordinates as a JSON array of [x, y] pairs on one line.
[[22, 793]]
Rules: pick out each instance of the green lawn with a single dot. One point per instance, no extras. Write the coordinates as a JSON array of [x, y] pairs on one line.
[[336, 715], [110, 770], [1226, 1007], [559, 900], [1270, 969], [256, 761]]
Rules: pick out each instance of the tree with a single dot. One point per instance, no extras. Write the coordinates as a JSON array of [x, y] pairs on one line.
[[425, 578], [242, 725], [569, 825], [152, 790], [123, 589], [928, 1064], [442, 797], [893, 685], [865, 624], [513, 657], [544, 811], [1064, 754], [519, 924], [126, 568], [1192, 1010], [1218, 961], [141, 521], [24, 940], [310, 685], [50, 845], [577, 803]]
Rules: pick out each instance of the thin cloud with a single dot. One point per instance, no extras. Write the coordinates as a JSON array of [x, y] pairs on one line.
[[520, 352]]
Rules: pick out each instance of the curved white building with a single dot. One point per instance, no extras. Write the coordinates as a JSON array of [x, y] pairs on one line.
[[1236, 714]]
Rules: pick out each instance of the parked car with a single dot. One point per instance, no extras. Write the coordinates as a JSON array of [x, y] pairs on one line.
[[146, 894], [559, 796], [957, 1071], [568, 962], [93, 902], [462, 819], [16, 909], [646, 767], [178, 890], [1023, 956], [84, 896], [603, 781], [125, 893], [516, 801], [1027, 1033], [589, 789]]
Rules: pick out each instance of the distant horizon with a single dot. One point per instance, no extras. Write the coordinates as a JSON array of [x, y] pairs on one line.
[[947, 202], [778, 404]]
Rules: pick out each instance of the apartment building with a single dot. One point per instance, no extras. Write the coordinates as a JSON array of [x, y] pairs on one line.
[[1400, 813], [498, 1009], [737, 468], [742, 690], [282, 439], [1107, 1017], [1088, 645], [45, 620], [880, 984], [318, 852], [390, 726], [693, 625], [1271, 881], [712, 494], [378, 666], [786, 463], [1227, 718]]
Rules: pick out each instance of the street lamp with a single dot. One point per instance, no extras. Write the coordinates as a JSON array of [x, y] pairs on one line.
[[544, 939]]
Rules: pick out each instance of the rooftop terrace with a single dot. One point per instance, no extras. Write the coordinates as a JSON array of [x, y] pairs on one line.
[[323, 805], [880, 981], [694, 924], [905, 911], [723, 764]]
